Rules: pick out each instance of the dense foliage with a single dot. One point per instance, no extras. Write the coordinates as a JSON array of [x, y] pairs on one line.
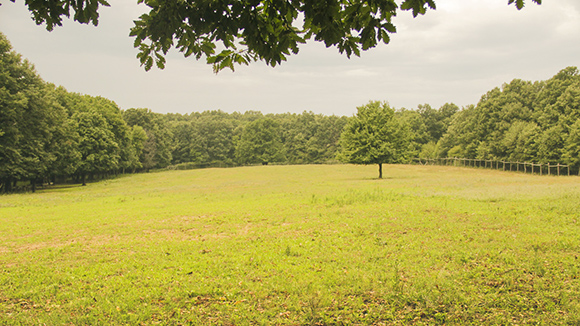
[[216, 138], [375, 136], [245, 31], [522, 121], [48, 134]]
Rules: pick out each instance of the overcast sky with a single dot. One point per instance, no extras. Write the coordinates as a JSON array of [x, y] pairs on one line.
[[453, 54]]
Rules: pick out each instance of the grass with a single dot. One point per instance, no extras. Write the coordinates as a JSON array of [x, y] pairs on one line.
[[295, 245]]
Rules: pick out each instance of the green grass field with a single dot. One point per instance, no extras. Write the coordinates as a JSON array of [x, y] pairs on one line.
[[295, 245]]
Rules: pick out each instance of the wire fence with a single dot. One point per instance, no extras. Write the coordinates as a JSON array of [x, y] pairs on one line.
[[525, 167]]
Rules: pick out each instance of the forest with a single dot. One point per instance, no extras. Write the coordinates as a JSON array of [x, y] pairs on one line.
[[50, 135]]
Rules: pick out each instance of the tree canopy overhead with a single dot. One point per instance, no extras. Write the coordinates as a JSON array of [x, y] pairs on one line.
[[229, 32]]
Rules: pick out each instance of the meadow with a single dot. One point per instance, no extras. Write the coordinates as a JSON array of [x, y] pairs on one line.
[[295, 245]]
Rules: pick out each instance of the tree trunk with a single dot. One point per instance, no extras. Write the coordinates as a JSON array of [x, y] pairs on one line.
[[380, 170], [7, 188], [84, 178]]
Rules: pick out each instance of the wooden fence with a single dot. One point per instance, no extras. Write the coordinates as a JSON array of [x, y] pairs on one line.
[[526, 167]]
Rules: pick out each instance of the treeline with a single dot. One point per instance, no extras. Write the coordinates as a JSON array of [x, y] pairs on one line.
[[216, 138], [520, 122], [50, 135], [47, 133]]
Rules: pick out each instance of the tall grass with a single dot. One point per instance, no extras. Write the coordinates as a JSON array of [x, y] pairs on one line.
[[295, 245]]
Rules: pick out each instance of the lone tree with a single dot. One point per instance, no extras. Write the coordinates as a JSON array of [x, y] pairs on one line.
[[245, 30], [374, 136]]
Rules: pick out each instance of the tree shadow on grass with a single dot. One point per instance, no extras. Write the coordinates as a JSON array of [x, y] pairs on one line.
[[59, 187]]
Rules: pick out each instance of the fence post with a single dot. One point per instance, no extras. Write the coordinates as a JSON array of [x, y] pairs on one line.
[[467, 162]]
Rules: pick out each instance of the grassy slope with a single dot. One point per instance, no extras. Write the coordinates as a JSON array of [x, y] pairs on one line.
[[295, 245]]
